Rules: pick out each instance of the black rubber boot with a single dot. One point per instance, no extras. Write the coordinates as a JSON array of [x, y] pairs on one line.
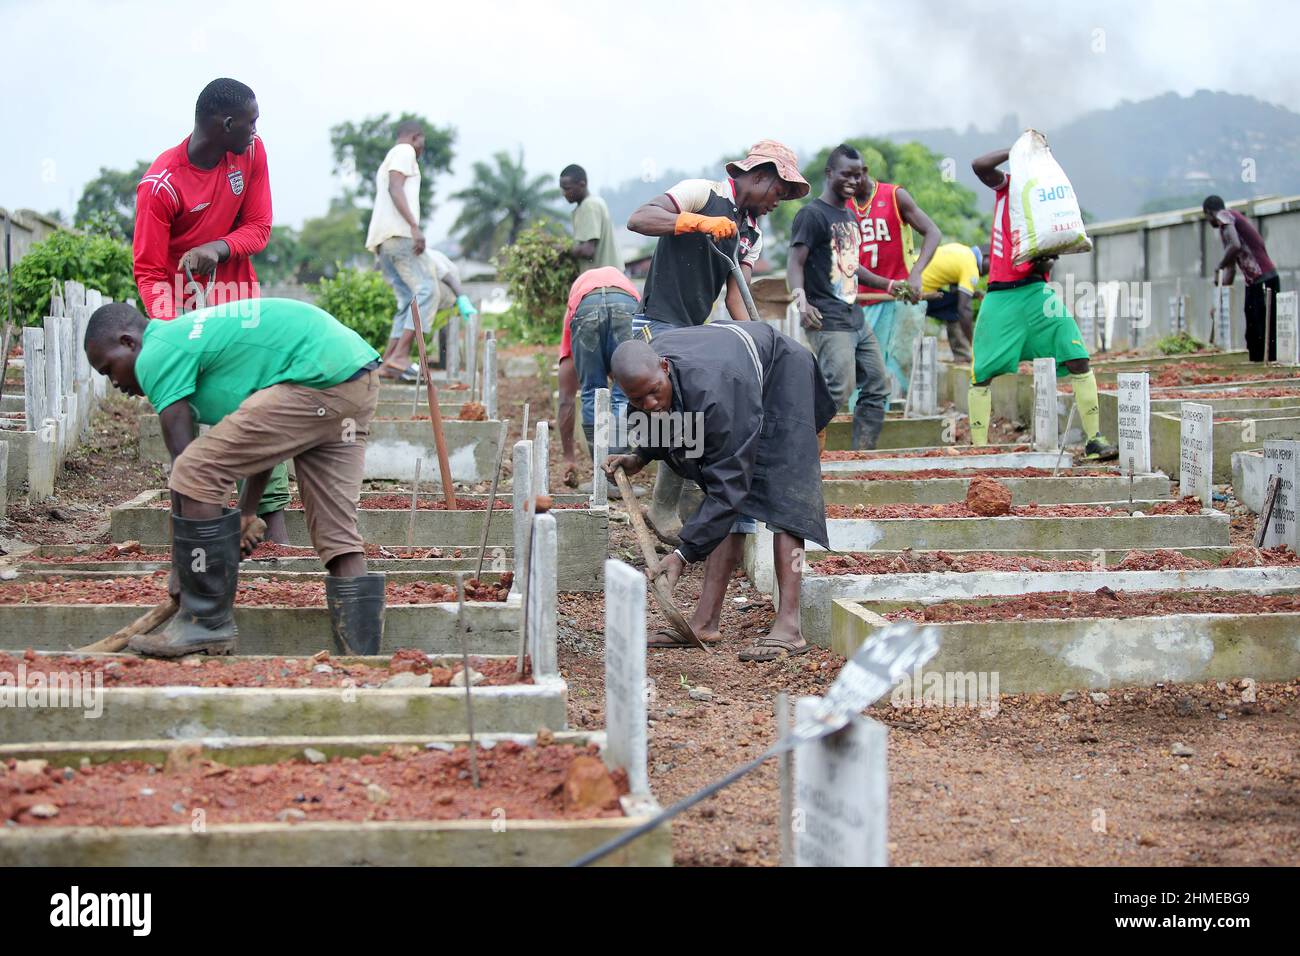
[[356, 612], [205, 558], [867, 423]]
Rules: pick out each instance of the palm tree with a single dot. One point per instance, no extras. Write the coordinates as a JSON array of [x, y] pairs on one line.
[[500, 202]]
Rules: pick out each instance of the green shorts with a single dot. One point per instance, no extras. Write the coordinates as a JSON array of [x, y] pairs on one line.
[[1021, 324]]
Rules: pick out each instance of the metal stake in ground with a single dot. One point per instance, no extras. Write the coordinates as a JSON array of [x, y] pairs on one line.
[[415, 492], [1266, 512], [1060, 449], [435, 414], [492, 500], [464, 657]]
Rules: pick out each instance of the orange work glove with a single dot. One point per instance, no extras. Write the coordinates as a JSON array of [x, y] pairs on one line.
[[719, 227]]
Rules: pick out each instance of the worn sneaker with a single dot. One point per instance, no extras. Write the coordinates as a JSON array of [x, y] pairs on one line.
[[1099, 449]]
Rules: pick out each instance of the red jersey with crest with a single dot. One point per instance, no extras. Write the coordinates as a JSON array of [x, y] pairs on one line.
[[881, 227], [1001, 248], [179, 206]]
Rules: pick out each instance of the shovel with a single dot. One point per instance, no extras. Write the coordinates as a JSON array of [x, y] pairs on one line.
[[658, 586], [733, 262]]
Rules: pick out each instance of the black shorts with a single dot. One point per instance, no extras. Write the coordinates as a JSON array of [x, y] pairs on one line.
[[944, 308]]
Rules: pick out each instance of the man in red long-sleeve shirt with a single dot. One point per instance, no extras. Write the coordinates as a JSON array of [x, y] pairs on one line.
[[206, 205]]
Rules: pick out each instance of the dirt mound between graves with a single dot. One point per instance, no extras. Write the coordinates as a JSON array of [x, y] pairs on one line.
[[959, 509], [1104, 603]]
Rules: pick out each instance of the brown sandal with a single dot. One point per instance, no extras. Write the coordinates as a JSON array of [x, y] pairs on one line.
[[666, 637], [758, 653]]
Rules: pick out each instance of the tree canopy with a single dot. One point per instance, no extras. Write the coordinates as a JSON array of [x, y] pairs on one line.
[[360, 148], [499, 202], [108, 201]]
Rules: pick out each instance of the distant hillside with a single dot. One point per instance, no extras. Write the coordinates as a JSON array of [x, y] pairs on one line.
[[1164, 152]]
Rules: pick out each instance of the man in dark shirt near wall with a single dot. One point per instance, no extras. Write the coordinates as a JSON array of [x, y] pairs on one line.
[[686, 275], [1243, 248], [823, 274]]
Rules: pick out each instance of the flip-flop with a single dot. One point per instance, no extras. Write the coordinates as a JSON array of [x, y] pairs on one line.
[[666, 638], [755, 653]]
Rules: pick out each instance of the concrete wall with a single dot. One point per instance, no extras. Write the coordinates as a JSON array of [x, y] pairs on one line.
[[26, 228], [1174, 253]]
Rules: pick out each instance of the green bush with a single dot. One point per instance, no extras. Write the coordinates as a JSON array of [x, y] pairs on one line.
[[1180, 343], [361, 300], [538, 270], [98, 262]]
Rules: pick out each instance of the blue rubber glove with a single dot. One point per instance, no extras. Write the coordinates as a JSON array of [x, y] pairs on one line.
[[465, 306]]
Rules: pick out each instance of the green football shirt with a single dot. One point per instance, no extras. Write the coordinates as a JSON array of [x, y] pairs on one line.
[[217, 357]]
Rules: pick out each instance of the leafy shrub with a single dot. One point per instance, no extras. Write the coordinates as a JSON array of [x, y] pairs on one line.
[[1179, 344], [538, 270], [98, 262], [361, 300]]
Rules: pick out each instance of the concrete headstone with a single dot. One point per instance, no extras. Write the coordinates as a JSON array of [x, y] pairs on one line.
[[35, 399], [841, 795], [490, 375], [1196, 453], [1282, 458], [1288, 328], [625, 679], [1223, 316], [1134, 423], [522, 487], [1046, 415], [925, 378], [1177, 314], [600, 450], [542, 596], [542, 460]]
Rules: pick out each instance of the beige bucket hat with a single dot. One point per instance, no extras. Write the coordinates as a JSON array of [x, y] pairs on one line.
[[770, 151]]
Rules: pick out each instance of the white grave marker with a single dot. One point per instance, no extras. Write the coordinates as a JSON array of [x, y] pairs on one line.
[[1288, 328], [1223, 316], [1177, 314], [490, 375], [925, 375], [542, 460], [625, 680], [1134, 423], [1046, 416], [1196, 453], [522, 487], [600, 450], [1282, 458], [841, 795], [542, 596]]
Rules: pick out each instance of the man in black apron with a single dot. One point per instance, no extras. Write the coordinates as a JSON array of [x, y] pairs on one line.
[[736, 408]]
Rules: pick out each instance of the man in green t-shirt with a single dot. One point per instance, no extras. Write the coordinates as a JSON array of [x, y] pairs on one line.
[[276, 379], [593, 230]]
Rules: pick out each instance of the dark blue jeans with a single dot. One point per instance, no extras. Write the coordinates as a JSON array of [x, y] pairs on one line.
[[603, 321]]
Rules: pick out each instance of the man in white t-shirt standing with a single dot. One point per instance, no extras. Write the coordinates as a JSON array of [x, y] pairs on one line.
[[395, 236]]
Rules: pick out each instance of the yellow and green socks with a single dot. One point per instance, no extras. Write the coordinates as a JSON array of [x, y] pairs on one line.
[[1085, 399], [979, 402]]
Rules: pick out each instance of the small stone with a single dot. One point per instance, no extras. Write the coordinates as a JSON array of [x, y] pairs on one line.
[[700, 693], [1249, 693], [43, 811], [408, 680], [290, 813], [68, 773], [1221, 685], [1184, 768], [475, 678], [313, 755], [193, 660], [30, 766], [320, 656], [1147, 840], [323, 669], [1184, 706], [588, 785], [1182, 750], [440, 745], [8, 574], [545, 737], [662, 767], [377, 794], [1068, 696], [183, 757], [147, 791], [1062, 719], [1100, 699]]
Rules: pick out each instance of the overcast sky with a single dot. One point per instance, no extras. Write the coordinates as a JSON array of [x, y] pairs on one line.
[[619, 87]]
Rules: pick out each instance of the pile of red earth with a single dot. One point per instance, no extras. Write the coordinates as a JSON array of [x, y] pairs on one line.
[[948, 451], [959, 509], [430, 503], [909, 562], [152, 589], [1103, 603], [267, 550], [473, 412], [281, 672], [403, 783], [1202, 373], [1271, 391], [925, 473], [1188, 505]]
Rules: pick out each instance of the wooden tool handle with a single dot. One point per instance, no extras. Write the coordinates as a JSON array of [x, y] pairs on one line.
[[643, 536], [154, 617]]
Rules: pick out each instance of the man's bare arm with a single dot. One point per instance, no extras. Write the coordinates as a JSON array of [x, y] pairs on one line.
[[986, 167], [658, 217], [584, 250], [1231, 247], [397, 192], [735, 302], [915, 217]]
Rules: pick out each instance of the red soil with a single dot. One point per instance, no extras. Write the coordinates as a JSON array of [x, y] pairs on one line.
[[152, 589], [265, 551], [400, 784], [282, 672], [1161, 560], [947, 451], [1103, 603], [1274, 391]]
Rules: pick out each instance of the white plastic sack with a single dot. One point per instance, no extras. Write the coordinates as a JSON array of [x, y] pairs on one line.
[[1045, 216]]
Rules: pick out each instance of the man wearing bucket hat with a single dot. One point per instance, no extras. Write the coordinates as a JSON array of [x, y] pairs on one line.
[[686, 276]]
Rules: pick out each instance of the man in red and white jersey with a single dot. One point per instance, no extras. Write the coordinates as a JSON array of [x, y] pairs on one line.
[[882, 211], [205, 206]]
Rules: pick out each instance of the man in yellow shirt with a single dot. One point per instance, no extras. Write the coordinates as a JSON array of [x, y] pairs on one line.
[[949, 286]]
